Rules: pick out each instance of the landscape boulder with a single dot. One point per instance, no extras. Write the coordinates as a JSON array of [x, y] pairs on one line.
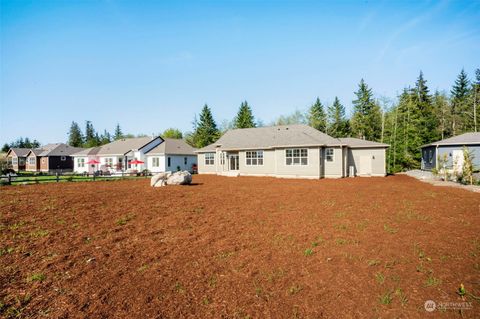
[[180, 178], [160, 179]]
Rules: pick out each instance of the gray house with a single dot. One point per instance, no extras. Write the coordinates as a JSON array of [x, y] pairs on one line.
[[291, 151], [452, 149]]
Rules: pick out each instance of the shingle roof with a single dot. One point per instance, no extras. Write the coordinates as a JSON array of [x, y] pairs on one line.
[[58, 149], [87, 151], [464, 139], [120, 147], [20, 152], [174, 147], [272, 137], [359, 143]]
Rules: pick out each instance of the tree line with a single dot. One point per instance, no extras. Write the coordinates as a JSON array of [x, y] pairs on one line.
[[21, 143]]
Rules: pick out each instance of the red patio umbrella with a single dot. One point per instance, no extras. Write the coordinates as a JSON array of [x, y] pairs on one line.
[[136, 162], [93, 162]]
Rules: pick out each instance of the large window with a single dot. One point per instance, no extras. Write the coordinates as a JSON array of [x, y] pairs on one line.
[[109, 162], [329, 154], [31, 160], [14, 160], [254, 158], [80, 162], [296, 156], [155, 162], [209, 158]]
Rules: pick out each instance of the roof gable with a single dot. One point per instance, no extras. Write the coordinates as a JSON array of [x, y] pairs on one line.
[[172, 146], [125, 145]]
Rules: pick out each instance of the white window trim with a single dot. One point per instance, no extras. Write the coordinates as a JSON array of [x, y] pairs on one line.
[[299, 157], [209, 159], [257, 158], [333, 154]]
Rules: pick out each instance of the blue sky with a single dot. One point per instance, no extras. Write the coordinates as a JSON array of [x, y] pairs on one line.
[[150, 65]]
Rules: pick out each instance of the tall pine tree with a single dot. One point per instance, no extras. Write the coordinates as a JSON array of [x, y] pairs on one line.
[[316, 116], [244, 118], [366, 122], [75, 137], [91, 137], [338, 125], [206, 131], [462, 117], [118, 134]]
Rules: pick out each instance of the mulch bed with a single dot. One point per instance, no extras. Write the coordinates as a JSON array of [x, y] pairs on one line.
[[246, 247]]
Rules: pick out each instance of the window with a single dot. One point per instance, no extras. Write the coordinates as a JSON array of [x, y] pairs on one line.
[[222, 158], [296, 156], [329, 154], [21, 161], [169, 162], [430, 156], [109, 162], [254, 158], [209, 158], [156, 162], [14, 160], [31, 161], [81, 162], [184, 161], [63, 158]]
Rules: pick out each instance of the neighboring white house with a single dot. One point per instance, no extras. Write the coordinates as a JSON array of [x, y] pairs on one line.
[[171, 155], [156, 153], [116, 157], [291, 151]]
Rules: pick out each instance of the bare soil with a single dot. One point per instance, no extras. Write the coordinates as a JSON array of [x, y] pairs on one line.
[[246, 247]]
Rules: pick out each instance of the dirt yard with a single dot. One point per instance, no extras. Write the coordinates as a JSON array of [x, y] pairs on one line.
[[243, 247]]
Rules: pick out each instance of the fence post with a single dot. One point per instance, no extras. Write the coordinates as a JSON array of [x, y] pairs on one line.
[[9, 179], [56, 174]]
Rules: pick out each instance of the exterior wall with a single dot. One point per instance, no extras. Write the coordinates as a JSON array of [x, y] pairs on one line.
[[87, 167], [429, 158], [268, 167], [43, 163], [207, 169], [311, 170], [55, 164], [32, 167], [115, 161], [178, 161], [378, 163], [16, 163], [159, 169], [335, 168], [475, 149]]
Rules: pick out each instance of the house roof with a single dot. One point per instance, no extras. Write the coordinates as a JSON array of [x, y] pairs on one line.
[[58, 149], [124, 145], [174, 147], [87, 151], [359, 143], [464, 139], [272, 137], [20, 152]]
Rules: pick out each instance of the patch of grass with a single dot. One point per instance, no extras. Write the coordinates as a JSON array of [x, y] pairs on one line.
[[206, 301], [179, 288], [362, 225], [36, 277], [6, 251], [16, 225], [391, 263], [39, 233], [225, 254], [380, 278], [389, 229], [402, 297], [341, 227], [432, 281], [308, 252], [341, 241], [386, 298], [212, 281], [373, 262], [12, 307], [124, 219], [142, 268], [340, 214], [294, 289]]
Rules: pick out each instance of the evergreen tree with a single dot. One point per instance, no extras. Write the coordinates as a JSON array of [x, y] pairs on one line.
[[91, 137], [105, 138], [118, 134], [462, 117], [442, 112], [338, 125], [206, 131], [475, 100], [172, 133], [423, 111], [366, 122], [75, 137], [296, 117], [5, 148], [316, 116], [244, 118]]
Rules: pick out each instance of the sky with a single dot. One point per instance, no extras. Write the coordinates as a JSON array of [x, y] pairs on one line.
[[150, 65]]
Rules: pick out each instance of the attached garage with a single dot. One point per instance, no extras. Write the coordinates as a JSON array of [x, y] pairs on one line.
[[365, 158]]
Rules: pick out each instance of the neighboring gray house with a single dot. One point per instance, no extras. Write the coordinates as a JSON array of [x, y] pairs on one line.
[[291, 151], [171, 155], [452, 148]]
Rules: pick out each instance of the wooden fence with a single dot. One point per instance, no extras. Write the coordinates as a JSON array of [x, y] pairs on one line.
[[11, 179]]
